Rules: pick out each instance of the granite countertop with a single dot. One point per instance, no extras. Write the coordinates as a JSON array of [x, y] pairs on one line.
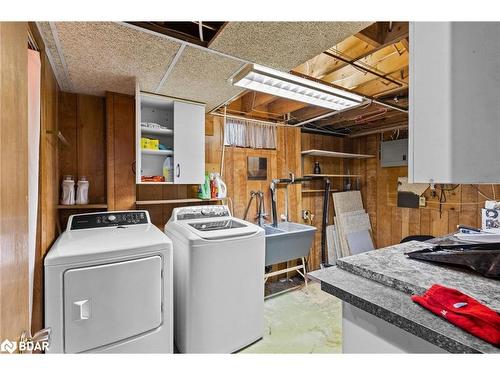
[[381, 281]]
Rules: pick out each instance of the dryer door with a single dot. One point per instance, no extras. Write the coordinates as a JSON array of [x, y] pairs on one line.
[[108, 303]]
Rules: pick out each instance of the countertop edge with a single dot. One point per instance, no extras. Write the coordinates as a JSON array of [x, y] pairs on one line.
[[351, 291]]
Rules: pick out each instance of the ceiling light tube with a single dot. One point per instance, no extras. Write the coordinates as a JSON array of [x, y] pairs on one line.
[[260, 78]]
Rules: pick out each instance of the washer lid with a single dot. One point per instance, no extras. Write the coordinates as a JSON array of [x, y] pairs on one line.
[[210, 229], [103, 243]]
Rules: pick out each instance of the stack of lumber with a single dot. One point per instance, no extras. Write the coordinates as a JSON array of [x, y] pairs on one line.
[[351, 232]]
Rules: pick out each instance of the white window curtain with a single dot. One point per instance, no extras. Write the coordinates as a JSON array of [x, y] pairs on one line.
[[248, 133]]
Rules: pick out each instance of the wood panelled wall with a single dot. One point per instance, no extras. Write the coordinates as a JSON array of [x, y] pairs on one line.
[[120, 154], [14, 309], [82, 122], [314, 201], [390, 223], [283, 160], [48, 194]]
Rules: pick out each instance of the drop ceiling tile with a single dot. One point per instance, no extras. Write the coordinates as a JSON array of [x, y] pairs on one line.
[[202, 76], [282, 45], [106, 56]]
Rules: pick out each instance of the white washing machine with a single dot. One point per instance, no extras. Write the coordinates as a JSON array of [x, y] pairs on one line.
[[218, 280], [108, 286]]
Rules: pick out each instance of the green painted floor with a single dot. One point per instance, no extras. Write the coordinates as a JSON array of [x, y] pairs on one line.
[[305, 320]]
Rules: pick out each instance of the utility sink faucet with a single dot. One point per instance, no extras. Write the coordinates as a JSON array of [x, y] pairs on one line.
[[261, 215]]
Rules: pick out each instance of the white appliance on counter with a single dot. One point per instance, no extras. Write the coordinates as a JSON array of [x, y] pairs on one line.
[[108, 286], [218, 280]]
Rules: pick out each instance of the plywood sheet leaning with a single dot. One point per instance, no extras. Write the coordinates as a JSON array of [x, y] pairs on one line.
[[350, 218], [330, 242], [360, 242], [347, 201]]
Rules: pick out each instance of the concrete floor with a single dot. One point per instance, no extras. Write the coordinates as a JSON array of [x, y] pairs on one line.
[[305, 320]]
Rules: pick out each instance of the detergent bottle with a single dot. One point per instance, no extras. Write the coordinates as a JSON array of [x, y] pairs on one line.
[[220, 187], [204, 189]]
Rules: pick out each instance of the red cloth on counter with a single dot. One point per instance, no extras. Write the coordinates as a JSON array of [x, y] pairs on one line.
[[463, 311]]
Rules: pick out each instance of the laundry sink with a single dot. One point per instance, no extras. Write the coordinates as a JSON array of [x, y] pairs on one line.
[[287, 241]]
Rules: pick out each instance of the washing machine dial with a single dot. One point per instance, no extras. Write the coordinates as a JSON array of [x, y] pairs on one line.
[[111, 218]]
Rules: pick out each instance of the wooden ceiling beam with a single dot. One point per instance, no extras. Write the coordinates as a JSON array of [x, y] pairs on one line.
[[309, 112], [377, 86], [284, 106], [357, 47], [255, 100], [352, 48], [384, 33], [406, 44]]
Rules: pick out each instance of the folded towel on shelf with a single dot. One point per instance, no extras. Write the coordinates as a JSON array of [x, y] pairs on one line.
[[462, 311], [153, 125]]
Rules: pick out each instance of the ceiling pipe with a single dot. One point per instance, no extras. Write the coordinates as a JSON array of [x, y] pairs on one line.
[[200, 30], [247, 119], [205, 25], [391, 106], [377, 131], [323, 132], [329, 114], [367, 70], [366, 117]]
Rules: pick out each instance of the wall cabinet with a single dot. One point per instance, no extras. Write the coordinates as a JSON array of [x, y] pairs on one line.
[[454, 123], [178, 127]]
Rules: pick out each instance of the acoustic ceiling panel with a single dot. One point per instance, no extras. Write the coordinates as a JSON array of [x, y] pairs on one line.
[[106, 56], [282, 45], [202, 76]]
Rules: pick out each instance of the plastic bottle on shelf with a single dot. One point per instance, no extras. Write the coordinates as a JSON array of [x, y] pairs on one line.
[[168, 169], [317, 168], [68, 190], [220, 186], [82, 191], [213, 186]]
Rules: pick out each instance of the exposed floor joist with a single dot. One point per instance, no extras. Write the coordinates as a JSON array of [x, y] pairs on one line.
[[372, 63]]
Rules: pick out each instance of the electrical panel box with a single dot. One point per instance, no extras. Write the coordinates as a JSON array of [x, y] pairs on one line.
[[394, 153]]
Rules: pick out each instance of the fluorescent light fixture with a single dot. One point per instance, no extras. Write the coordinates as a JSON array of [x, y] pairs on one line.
[[285, 85]]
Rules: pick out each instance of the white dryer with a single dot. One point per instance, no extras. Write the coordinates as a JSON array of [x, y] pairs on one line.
[[218, 280], [108, 286]]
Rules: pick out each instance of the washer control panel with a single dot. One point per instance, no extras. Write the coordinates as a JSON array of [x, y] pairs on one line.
[[201, 212], [107, 219]]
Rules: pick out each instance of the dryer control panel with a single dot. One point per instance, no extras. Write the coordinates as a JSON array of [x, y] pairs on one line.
[[200, 212], [107, 219]]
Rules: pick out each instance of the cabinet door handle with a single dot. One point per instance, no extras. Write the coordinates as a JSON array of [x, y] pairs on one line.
[[178, 170]]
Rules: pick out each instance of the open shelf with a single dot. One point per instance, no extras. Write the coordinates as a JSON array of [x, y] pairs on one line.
[[145, 151], [151, 131], [335, 154], [82, 206], [175, 201], [333, 175]]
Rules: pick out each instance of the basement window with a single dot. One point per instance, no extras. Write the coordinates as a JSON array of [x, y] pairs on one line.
[[249, 134]]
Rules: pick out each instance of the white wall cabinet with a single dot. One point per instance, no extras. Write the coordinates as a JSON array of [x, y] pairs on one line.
[[182, 136], [454, 120]]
